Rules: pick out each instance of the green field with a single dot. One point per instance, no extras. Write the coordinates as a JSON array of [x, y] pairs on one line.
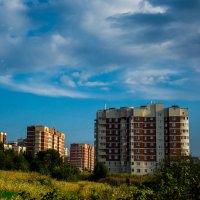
[[34, 185]]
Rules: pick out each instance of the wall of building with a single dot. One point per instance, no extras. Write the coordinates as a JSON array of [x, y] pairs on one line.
[[135, 140]]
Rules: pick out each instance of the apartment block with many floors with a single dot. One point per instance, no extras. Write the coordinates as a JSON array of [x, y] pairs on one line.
[[82, 156], [135, 140], [41, 138], [3, 137]]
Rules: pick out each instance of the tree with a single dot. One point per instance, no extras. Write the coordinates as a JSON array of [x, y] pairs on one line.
[[100, 171], [179, 179]]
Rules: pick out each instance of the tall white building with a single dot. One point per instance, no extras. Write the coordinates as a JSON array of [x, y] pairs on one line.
[[134, 140]]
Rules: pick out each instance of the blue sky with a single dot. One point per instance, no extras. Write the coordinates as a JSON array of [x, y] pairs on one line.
[[61, 60]]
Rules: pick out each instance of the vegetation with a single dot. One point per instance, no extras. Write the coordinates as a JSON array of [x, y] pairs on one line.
[[45, 162], [34, 185], [29, 177], [100, 171]]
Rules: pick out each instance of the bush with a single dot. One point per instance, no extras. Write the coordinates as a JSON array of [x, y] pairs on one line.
[[100, 171]]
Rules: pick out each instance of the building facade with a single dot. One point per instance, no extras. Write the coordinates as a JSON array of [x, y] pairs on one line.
[[82, 156], [41, 138], [2, 137], [135, 140]]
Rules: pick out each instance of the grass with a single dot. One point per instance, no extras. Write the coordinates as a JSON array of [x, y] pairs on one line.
[[34, 185]]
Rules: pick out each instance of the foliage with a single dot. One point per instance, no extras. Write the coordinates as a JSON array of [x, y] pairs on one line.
[[179, 179], [100, 171], [45, 162]]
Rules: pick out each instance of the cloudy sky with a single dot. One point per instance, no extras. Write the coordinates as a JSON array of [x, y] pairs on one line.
[[63, 59]]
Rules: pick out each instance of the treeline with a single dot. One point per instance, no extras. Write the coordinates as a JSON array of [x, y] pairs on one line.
[[45, 162], [174, 179]]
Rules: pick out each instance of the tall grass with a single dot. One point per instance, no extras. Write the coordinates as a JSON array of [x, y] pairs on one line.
[[37, 185]]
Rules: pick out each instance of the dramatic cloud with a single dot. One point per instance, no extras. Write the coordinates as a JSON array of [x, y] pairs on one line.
[[86, 48]]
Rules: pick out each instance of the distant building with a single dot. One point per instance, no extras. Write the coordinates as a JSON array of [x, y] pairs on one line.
[[41, 138], [7, 147], [19, 149], [134, 140], [21, 142], [2, 137], [12, 143], [67, 156], [82, 156]]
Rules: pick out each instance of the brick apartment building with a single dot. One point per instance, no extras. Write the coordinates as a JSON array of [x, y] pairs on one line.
[[41, 138], [2, 137], [134, 140], [82, 156]]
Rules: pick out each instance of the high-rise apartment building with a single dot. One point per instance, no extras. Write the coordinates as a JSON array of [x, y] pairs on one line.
[[2, 137], [135, 140], [82, 156], [41, 138]]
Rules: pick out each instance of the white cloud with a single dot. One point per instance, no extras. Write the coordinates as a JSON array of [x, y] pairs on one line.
[[40, 88], [147, 76], [66, 80], [81, 41], [93, 84]]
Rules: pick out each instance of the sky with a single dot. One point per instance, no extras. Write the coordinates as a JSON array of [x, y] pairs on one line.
[[62, 60]]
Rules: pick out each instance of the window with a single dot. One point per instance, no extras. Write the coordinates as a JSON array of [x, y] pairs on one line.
[[137, 144], [137, 157], [145, 151], [173, 124], [145, 157], [138, 163], [137, 131], [145, 170], [151, 144], [151, 138], [138, 150], [152, 157], [174, 144], [116, 157], [138, 170], [151, 131], [116, 150]]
